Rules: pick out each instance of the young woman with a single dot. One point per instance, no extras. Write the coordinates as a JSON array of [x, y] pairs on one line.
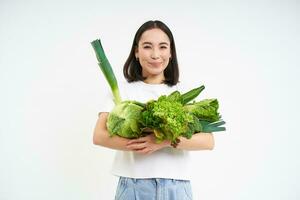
[[147, 170]]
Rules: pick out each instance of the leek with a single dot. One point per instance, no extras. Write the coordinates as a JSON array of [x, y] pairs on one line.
[[107, 70]]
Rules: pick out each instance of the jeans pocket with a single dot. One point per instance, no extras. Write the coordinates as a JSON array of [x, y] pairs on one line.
[[121, 188], [188, 190]]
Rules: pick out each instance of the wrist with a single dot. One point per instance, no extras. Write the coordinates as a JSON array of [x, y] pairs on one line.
[[175, 143], [166, 143]]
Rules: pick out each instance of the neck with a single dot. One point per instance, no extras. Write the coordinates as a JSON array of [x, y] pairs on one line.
[[154, 79]]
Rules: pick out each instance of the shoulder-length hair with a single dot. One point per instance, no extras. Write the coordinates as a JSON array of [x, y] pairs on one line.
[[132, 69]]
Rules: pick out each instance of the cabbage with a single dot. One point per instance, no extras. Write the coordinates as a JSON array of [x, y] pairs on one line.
[[124, 120]]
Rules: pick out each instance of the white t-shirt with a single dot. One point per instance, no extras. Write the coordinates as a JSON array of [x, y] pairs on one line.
[[165, 163]]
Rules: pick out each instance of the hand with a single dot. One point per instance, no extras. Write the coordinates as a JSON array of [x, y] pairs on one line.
[[146, 145]]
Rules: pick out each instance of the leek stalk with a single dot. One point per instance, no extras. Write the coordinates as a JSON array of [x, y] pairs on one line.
[[107, 70]]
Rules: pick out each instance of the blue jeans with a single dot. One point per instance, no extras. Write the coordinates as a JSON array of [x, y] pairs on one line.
[[153, 189]]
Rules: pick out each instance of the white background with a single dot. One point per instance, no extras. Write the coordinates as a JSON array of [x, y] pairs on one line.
[[246, 53]]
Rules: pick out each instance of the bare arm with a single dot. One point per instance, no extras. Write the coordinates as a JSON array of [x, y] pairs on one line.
[[199, 141], [101, 136], [146, 145]]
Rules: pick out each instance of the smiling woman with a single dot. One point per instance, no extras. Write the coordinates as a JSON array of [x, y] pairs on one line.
[[147, 169]]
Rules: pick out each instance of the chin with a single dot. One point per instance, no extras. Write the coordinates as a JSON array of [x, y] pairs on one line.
[[155, 71]]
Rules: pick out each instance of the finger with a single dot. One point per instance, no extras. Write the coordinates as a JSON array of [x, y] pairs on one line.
[[132, 142], [144, 151], [136, 146], [139, 140], [139, 150]]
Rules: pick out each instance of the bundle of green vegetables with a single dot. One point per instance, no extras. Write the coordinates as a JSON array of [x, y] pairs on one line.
[[168, 117]]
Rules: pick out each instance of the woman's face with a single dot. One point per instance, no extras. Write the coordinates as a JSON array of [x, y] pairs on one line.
[[153, 53]]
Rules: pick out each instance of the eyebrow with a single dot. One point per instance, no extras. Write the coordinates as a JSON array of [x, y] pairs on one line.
[[162, 43]]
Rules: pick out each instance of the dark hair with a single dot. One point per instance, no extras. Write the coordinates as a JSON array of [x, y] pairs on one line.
[[132, 69]]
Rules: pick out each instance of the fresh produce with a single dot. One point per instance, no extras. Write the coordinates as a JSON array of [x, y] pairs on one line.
[[124, 119], [168, 117]]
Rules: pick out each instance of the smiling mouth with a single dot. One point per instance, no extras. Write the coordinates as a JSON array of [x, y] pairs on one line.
[[155, 64]]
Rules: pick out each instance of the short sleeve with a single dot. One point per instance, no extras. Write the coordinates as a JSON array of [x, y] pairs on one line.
[[106, 102]]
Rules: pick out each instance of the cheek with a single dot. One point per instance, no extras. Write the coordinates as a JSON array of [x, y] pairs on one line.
[[167, 59], [166, 63], [166, 55], [143, 54]]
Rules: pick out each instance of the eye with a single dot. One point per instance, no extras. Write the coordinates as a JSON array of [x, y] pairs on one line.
[[146, 47], [163, 47]]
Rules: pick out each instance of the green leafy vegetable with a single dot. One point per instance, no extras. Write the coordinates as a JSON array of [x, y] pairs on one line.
[[167, 117], [124, 120], [205, 110], [171, 116]]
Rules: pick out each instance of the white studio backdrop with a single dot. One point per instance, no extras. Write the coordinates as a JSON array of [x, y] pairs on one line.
[[246, 53]]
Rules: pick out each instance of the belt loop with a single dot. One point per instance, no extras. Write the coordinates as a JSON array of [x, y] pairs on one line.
[[125, 180]]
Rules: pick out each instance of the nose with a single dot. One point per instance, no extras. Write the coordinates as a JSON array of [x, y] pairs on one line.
[[155, 54]]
